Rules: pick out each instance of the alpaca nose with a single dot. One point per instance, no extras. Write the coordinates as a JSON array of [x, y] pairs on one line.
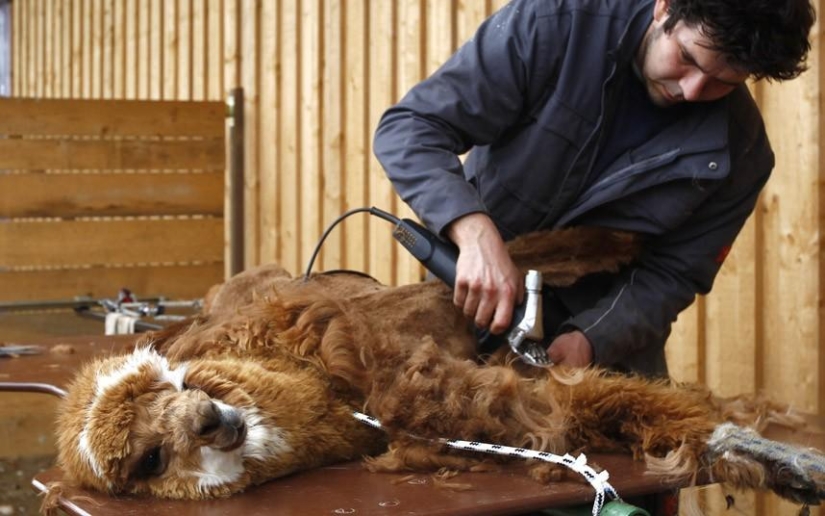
[[233, 418], [209, 418]]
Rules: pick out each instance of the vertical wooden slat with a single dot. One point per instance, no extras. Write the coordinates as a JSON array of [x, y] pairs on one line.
[[250, 68], [40, 48], [288, 163], [144, 44], [109, 57], [331, 171], [356, 133], [122, 34], [66, 42], [232, 44], [184, 64], [87, 33], [171, 47], [233, 185], [410, 70], [47, 65], [215, 37], [383, 250], [269, 115], [133, 18], [731, 334], [816, 68], [156, 60], [76, 88], [682, 348], [97, 54], [199, 48], [791, 245], [440, 37], [55, 37], [37, 48], [310, 127], [498, 4], [469, 15], [33, 47]]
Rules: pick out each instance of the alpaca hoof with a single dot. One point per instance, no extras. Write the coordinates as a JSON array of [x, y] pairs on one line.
[[792, 472]]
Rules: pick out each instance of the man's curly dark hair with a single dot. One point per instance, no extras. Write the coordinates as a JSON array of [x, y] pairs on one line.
[[766, 38]]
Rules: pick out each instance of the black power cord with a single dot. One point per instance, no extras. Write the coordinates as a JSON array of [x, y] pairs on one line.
[[372, 211]]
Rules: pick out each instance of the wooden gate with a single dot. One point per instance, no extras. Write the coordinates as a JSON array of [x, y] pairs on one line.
[[96, 195]]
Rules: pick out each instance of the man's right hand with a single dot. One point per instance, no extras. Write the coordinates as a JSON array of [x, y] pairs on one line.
[[488, 285]]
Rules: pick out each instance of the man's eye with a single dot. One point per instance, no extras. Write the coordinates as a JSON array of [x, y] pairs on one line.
[[152, 464]]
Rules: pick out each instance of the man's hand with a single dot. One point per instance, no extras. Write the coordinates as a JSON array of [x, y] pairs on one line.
[[571, 349], [488, 285]]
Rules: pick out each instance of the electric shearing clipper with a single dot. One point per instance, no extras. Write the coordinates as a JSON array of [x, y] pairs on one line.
[[439, 257]]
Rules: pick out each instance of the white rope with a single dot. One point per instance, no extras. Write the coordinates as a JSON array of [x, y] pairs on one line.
[[578, 464]]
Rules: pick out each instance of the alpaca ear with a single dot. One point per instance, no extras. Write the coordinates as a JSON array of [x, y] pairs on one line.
[[161, 340]]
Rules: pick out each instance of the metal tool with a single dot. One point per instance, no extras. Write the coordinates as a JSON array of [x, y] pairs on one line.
[[439, 257], [14, 350], [527, 331]]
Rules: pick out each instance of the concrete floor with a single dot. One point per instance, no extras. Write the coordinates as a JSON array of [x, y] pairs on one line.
[[26, 420]]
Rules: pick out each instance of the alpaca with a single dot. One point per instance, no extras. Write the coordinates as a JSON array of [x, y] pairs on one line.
[[263, 383]]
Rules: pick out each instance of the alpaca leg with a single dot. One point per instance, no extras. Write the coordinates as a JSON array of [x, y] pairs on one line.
[[648, 418], [411, 455], [744, 459]]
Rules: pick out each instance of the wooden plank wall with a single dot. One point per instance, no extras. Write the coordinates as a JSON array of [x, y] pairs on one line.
[[96, 195], [317, 75]]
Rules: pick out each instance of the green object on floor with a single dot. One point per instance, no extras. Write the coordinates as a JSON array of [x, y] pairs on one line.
[[614, 508]]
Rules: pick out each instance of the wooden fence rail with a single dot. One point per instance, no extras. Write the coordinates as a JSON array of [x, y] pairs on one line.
[[100, 194]]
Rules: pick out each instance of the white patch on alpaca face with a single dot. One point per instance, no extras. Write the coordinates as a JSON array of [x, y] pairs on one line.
[[133, 365], [218, 467], [85, 450]]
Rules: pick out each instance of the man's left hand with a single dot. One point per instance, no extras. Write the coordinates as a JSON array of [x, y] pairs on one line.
[[571, 349]]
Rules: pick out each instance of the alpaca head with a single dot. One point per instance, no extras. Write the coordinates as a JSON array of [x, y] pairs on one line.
[[135, 423]]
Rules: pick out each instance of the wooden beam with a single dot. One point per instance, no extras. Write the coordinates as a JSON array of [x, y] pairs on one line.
[[101, 195], [46, 117], [171, 281], [110, 242], [116, 155]]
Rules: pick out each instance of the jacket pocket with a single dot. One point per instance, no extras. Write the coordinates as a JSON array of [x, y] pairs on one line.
[[521, 177]]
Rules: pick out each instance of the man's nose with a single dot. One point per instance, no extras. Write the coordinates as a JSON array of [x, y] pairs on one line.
[[693, 85]]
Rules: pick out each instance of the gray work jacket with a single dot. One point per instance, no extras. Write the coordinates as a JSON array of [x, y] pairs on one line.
[[528, 95]]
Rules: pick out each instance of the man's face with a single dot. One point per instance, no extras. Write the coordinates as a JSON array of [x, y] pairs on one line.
[[680, 66]]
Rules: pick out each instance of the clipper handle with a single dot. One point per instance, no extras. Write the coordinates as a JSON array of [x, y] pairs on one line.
[[438, 256]]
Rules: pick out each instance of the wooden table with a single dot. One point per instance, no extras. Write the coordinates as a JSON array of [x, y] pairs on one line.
[[345, 489]]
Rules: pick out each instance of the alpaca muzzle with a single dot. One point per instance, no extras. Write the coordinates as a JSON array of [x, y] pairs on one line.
[[221, 426]]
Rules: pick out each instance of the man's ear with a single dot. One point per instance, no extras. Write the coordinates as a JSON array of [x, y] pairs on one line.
[[660, 10]]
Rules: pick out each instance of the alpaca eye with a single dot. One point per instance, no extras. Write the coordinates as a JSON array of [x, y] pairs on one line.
[[152, 464]]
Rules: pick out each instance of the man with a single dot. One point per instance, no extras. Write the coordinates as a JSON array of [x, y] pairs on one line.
[[627, 114]]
